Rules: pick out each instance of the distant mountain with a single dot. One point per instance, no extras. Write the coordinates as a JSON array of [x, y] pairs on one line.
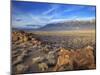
[[69, 25], [59, 26], [27, 27]]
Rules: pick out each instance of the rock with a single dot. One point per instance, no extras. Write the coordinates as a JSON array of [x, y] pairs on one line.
[[84, 58], [21, 68], [43, 66], [25, 39], [14, 38], [37, 60], [45, 50], [63, 60], [51, 59], [20, 58], [89, 47]]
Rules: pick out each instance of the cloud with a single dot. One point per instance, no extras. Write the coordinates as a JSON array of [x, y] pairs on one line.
[[40, 20], [84, 18], [18, 19], [73, 8], [30, 19], [52, 9], [48, 11], [63, 19], [37, 21]]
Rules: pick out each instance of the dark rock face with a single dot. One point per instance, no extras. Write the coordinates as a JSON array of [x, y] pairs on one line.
[[31, 54]]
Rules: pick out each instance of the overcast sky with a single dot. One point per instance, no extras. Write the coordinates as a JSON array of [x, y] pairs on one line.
[[35, 14]]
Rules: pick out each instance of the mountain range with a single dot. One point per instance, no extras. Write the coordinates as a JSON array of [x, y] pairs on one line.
[[65, 25]]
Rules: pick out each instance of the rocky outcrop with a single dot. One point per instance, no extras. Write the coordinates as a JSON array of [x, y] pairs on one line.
[[75, 59], [30, 54]]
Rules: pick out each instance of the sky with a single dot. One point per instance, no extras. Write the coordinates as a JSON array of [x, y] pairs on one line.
[[37, 14]]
